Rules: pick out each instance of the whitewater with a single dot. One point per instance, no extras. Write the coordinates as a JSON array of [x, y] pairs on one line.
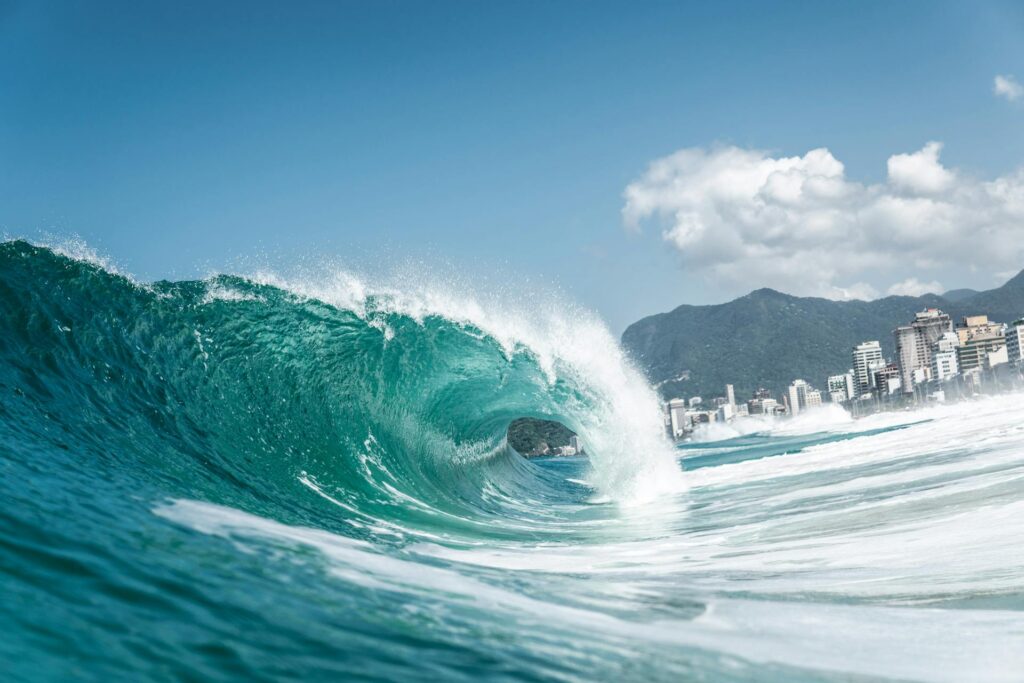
[[269, 478]]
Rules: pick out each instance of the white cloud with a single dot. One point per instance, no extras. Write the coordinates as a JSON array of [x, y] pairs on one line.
[[914, 287], [921, 171], [746, 219], [1008, 87]]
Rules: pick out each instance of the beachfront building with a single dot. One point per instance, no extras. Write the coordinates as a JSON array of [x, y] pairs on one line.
[[812, 398], [762, 405], [698, 417], [997, 357], [978, 337], [944, 357], [794, 396], [841, 387], [914, 346], [867, 358], [1015, 342], [678, 423], [887, 380], [802, 396]]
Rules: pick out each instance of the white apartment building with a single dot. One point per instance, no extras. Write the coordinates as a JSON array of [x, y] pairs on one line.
[[794, 401], [762, 406], [812, 398], [841, 387], [678, 422], [802, 396], [867, 357], [944, 358], [997, 357]]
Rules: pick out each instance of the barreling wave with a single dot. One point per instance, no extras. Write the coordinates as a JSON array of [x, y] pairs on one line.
[[386, 402]]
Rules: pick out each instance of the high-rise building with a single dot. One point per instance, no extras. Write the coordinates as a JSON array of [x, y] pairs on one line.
[[978, 337], [887, 379], [730, 394], [1015, 342], [944, 362], [678, 423], [793, 401], [867, 357], [914, 344], [841, 387], [802, 396]]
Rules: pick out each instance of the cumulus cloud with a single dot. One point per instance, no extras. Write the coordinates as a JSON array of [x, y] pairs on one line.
[[745, 219], [914, 287], [1008, 87], [921, 171]]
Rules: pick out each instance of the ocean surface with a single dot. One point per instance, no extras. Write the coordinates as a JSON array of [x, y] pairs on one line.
[[262, 479]]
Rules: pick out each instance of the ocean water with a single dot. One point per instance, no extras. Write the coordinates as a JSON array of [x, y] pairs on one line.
[[261, 479]]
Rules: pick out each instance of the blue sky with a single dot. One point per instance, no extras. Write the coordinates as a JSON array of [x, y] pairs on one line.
[[184, 137]]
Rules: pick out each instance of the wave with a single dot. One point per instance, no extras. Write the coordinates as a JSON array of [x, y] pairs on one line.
[[384, 399]]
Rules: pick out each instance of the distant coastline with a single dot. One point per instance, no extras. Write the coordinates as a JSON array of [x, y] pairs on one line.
[[767, 338], [536, 438]]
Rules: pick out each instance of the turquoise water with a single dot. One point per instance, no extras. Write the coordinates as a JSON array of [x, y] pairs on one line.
[[261, 479]]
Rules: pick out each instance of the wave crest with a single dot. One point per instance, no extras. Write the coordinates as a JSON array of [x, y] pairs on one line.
[[382, 398]]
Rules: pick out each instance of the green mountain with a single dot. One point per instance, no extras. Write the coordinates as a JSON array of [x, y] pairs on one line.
[[767, 338], [959, 294]]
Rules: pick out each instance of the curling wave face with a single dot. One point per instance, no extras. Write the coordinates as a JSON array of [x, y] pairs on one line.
[[260, 478]]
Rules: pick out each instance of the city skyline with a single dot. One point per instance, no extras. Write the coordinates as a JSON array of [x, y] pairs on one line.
[[932, 358]]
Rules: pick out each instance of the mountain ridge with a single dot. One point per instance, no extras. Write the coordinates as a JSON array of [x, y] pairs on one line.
[[767, 338]]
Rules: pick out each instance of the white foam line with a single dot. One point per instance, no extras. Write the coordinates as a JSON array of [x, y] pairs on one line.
[[929, 531], [968, 426], [913, 643]]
